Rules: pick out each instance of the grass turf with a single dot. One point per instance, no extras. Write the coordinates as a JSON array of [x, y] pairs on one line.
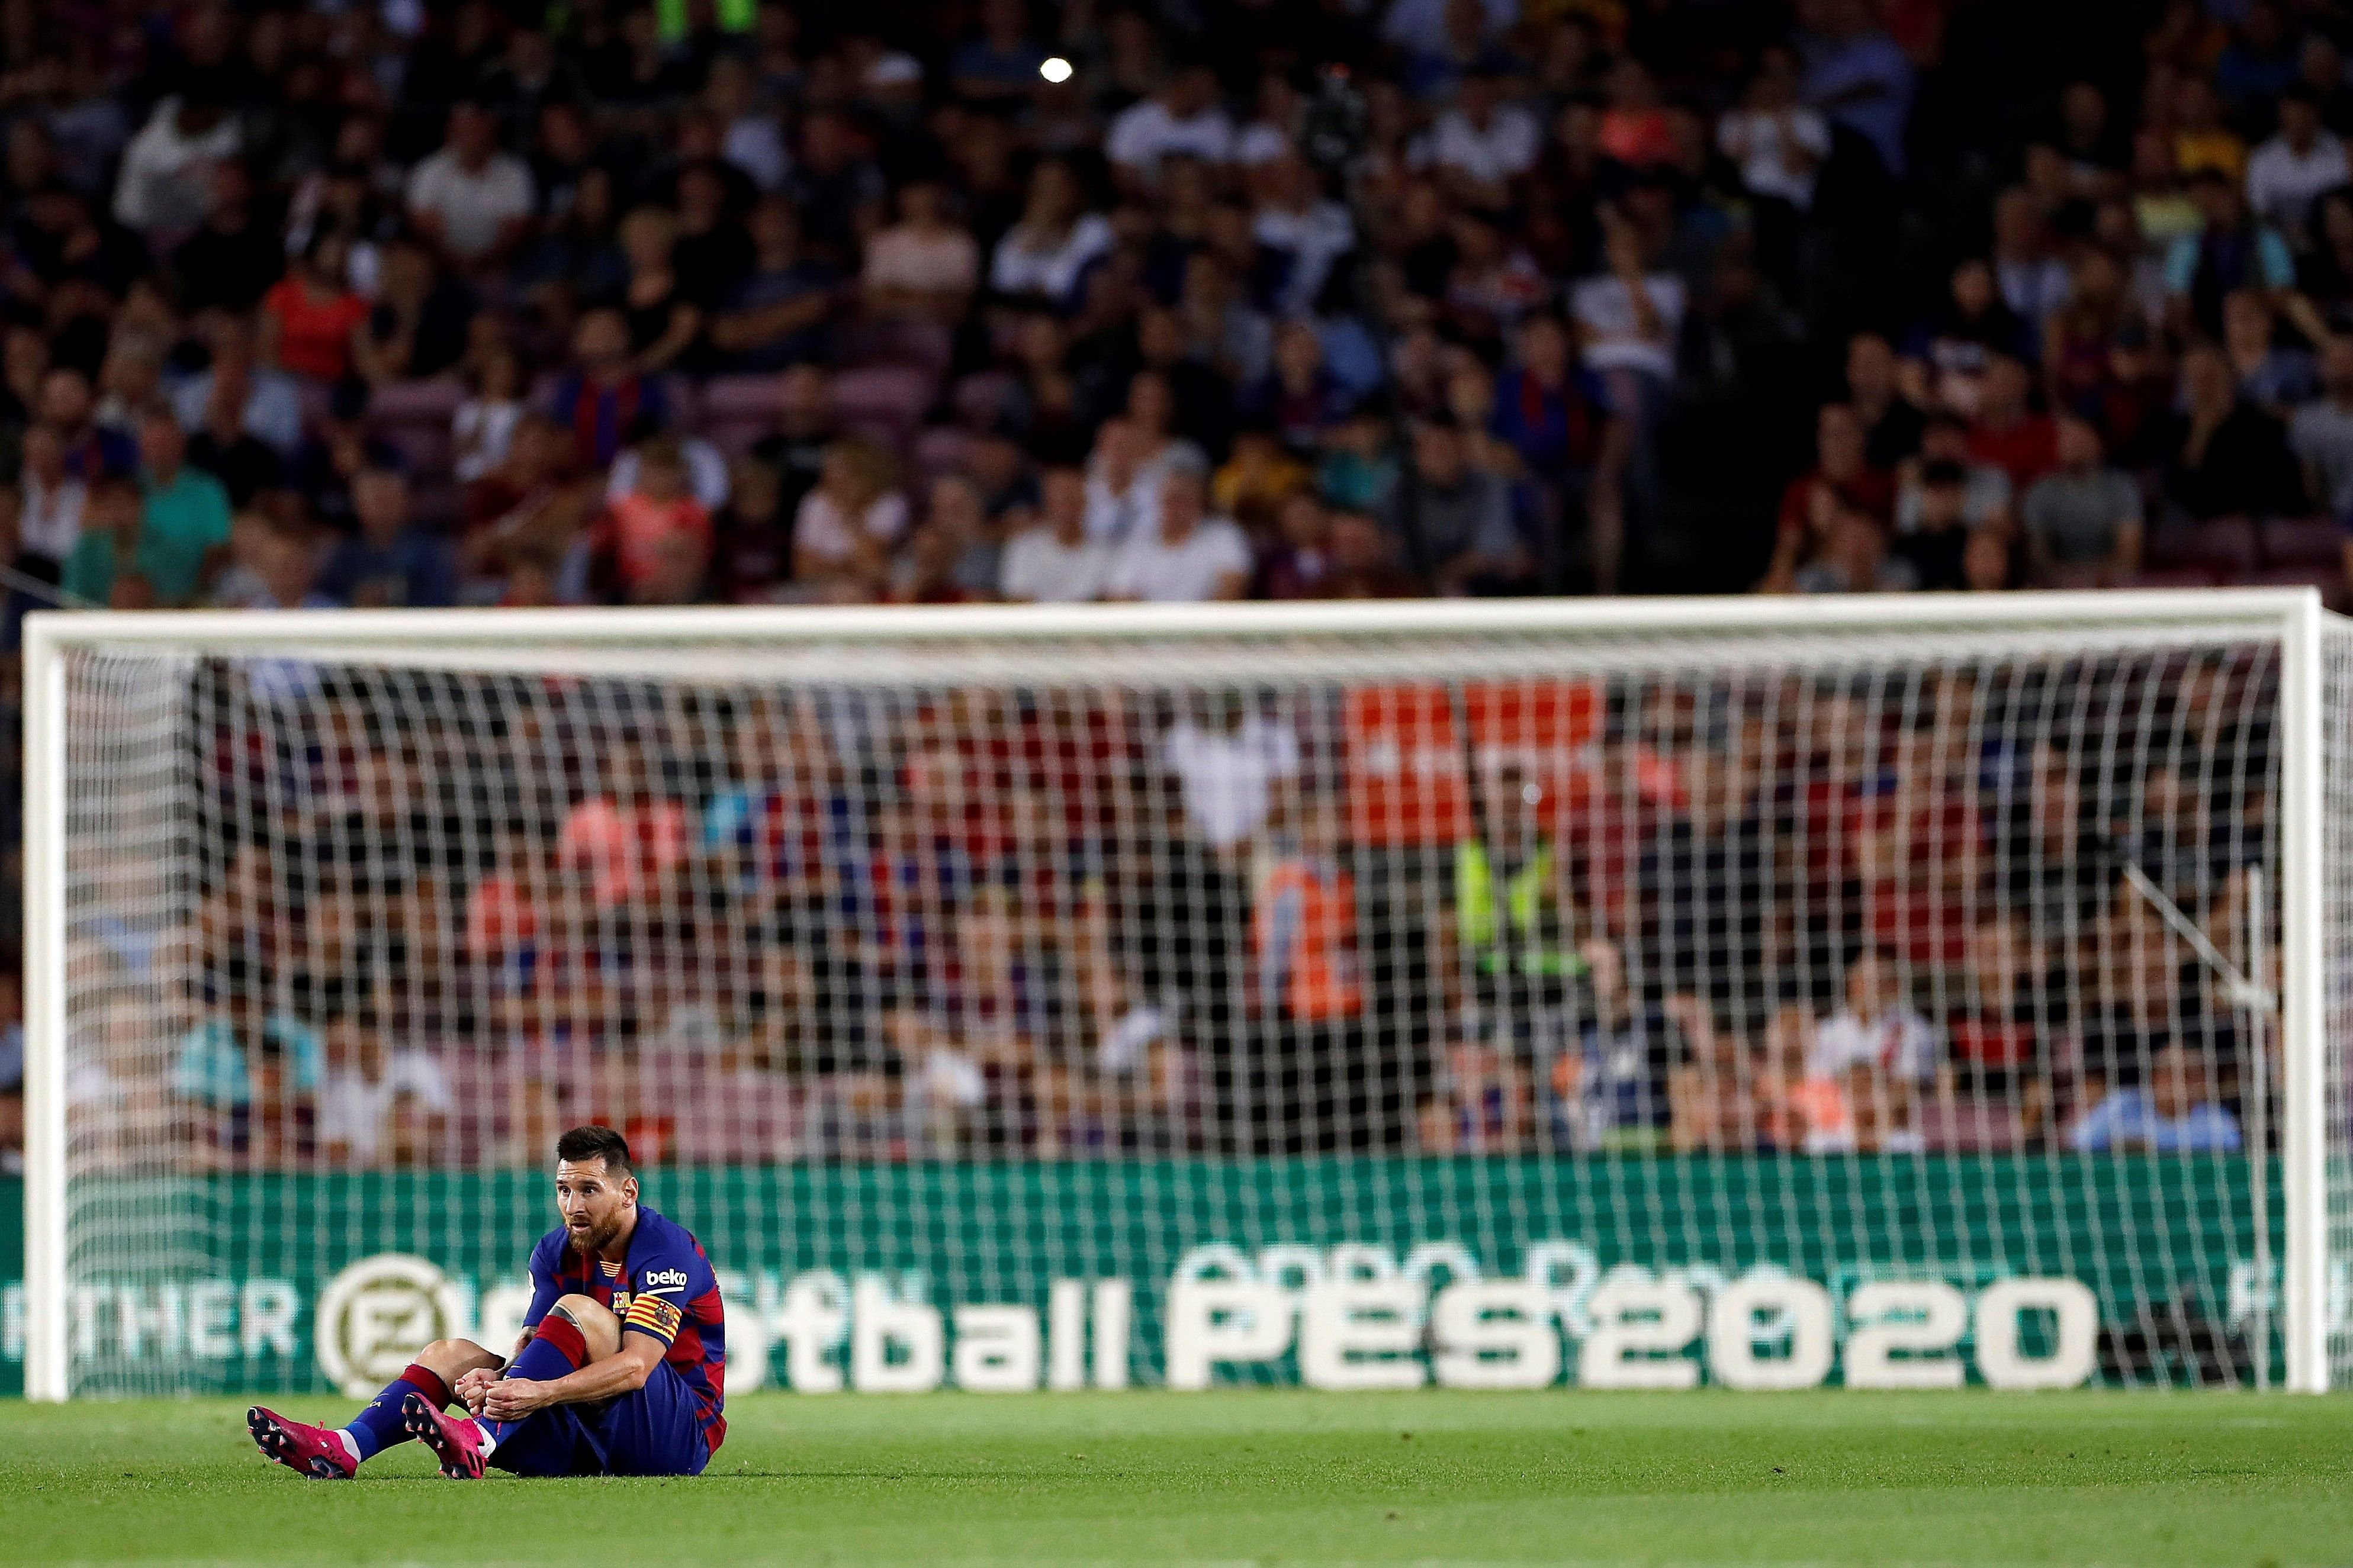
[[1258, 1475]]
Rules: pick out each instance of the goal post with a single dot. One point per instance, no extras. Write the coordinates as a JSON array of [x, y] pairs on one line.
[[1637, 993]]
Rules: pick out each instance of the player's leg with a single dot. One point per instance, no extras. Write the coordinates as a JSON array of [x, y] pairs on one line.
[[656, 1431], [328, 1454], [577, 1331]]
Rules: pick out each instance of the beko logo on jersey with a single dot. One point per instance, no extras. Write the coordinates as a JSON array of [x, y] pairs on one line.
[[663, 1276]]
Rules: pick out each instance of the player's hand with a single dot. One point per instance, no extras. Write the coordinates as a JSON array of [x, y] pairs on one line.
[[512, 1399], [475, 1386]]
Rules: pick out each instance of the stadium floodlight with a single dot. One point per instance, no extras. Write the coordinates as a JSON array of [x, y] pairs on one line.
[[1894, 990]]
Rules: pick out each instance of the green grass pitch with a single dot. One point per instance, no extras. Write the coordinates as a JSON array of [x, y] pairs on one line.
[[1258, 1475]]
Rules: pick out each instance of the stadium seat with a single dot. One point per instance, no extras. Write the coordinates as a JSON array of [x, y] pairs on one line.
[[2225, 544], [885, 402], [940, 450], [1967, 1125], [917, 345], [2173, 577], [2303, 542], [740, 397]]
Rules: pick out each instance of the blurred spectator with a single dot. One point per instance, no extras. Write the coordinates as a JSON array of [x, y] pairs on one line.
[[1182, 556], [653, 544], [1877, 1029], [924, 268], [1047, 251], [2301, 160], [2175, 1113], [470, 198], [392, 562], [846, 526], [775, 315], [2083, 519], [1055, 560], [1183, 117], [1451, 521], [484, 425], [2227, 457], [2320, 433], [605, 401], [183, 515], [49, 505], [312, 319]]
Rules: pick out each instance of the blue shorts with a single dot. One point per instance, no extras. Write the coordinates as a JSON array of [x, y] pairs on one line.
[[657, 1431]]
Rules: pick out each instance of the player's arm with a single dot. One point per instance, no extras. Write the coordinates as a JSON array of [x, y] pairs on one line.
[[624, 1372]]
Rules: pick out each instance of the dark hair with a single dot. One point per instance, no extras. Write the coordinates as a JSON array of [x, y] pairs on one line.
[[585, 1143]]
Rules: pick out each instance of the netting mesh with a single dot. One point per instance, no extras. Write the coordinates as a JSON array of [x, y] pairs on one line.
[[963, 973]]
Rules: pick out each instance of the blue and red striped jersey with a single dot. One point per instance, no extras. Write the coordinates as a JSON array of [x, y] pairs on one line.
[[664, 1287]]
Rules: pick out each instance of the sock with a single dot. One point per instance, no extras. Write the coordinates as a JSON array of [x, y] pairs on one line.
[[378, 1427], [556, 1349]]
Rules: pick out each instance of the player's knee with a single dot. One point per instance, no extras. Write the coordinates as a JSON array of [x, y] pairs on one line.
[[454, 1358], [600, 1332]]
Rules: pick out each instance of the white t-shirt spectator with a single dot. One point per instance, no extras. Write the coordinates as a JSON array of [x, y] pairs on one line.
[[1186, 572], [756, 146], [1505, 146], [2283, 184], [357, 1113], [1229, 778], [1146, 132], [1313, 239], [935, 263], [482, 432], [48, 520], [1754, 140], [1604, 309], [161, 186], [1026, 264], [473, 206], [1039, 569], [820, 527], [1899, 1043]]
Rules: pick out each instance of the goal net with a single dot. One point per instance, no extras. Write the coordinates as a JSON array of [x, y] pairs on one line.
[[1892, 994]]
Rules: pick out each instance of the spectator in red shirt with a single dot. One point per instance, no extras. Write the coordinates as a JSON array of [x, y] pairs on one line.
[[1842, 475], [652, 543], [2008, 433], [311, 319]]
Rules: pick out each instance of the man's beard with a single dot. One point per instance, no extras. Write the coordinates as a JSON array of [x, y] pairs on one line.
[[596, 1239]]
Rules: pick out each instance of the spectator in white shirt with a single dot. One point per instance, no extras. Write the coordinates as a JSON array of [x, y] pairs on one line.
[[845, 528], [368, 1086], [1268, 135], [1183, 116], [1778, 143], [1123, 489], [1046, 254], [1877, 1029], [1228, 770], [925, 267], [470, 198], [1054, 561], [1188, 558], [2288, 172], [1629, 318], [1298, 222], [48, 514], [165, 187], [1483, 142]]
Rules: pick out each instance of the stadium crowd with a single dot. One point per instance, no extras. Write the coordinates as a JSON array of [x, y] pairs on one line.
[[415, 303]]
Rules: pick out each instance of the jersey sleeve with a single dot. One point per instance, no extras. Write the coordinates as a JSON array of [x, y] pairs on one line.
[[544, 1288], [668, 1281]]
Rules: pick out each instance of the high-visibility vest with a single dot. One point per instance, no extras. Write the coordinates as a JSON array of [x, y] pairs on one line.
[[1506, 938]]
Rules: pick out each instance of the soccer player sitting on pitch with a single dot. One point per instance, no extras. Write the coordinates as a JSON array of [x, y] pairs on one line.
[[619, 1372]]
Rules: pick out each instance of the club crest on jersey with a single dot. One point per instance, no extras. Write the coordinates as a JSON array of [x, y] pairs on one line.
[[659, 1277]]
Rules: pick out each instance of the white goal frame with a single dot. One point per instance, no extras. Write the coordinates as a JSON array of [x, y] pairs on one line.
[[2294, 617]]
